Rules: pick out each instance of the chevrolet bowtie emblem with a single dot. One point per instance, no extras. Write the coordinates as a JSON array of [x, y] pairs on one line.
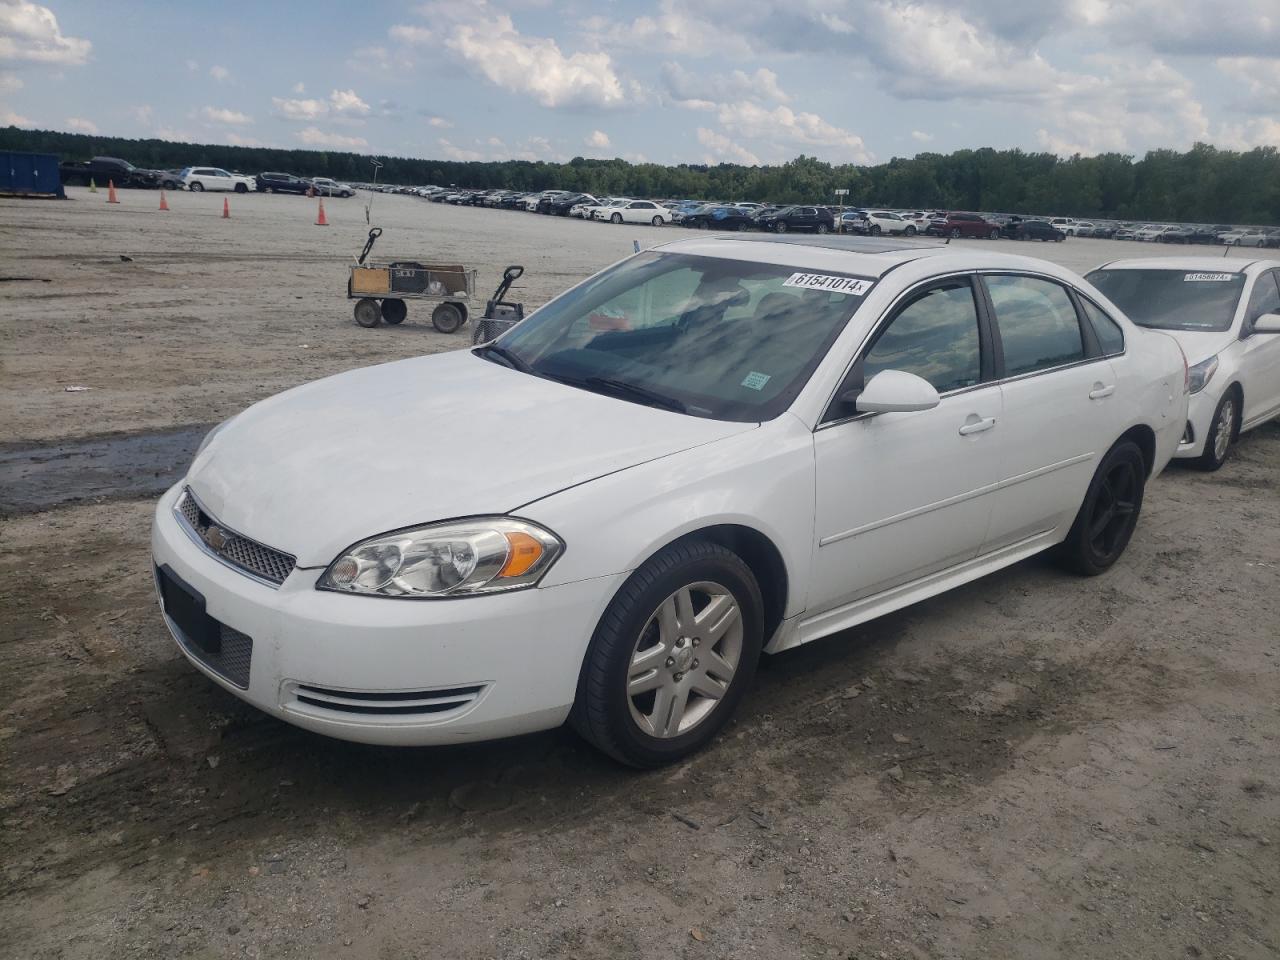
[[216, 537]]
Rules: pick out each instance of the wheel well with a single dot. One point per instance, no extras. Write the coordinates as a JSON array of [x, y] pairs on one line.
[[759, 553], [1145, 438]]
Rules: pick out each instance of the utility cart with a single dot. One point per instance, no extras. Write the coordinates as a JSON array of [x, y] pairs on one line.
[[381, 290]]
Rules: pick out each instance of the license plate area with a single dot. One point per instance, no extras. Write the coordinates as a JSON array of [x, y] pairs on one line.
[[185, 606]]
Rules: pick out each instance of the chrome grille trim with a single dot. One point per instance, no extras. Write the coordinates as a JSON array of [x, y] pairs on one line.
[[255, 560]]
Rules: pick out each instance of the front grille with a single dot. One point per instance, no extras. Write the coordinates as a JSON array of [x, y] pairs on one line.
[[235, 550], [397, 704]]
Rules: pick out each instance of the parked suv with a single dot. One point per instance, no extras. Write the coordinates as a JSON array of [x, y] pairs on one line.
[[215, 178], [964, 225], [817, 219], [281, 183]]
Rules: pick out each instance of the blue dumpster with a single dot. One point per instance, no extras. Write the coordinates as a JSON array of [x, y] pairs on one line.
[[29, 174]]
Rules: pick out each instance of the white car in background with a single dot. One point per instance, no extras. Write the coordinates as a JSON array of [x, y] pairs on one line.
[[607, 204], [1151, 232], [636, 211], [1066, 224], [769, 441], [1082, 228], [199, 179], [883, 222], [1226, 316]]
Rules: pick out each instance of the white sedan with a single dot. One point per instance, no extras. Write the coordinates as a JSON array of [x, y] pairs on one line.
[[199, 179], [711, 449], [1226, 316], [635, 211]]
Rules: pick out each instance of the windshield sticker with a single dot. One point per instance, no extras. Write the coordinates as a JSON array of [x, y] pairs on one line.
[[755, 380], [1207, 277], [822, 281]]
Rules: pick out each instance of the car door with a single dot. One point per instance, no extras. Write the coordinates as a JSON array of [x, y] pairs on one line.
[[1060, 397], [904, 495], [1260, 365]]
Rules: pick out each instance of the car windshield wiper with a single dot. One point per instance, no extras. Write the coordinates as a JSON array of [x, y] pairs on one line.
[[620, 388], [504, 356]]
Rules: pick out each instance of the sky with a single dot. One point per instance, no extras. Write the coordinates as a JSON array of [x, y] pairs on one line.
[[668, 81]]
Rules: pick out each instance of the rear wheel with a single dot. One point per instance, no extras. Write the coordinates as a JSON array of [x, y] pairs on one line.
[[656, 221], [955, 233], [822, 228], [1109, 514], [367, 312], [875, 230], [780, 227], [447, 317], [394, 310], [197, 186], [743, 227], [672, 656], [994, 234], [910, 231], [1217, 445]]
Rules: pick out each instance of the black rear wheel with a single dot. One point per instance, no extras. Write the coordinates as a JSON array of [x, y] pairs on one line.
[[447, 317], [1109, 514], [394, 310]]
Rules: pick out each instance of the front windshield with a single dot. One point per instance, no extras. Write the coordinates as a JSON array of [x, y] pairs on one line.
[[1173, 299], [723, 339]]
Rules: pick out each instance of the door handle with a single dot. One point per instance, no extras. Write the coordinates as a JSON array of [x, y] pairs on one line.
[[975, 425], [1101, 392]]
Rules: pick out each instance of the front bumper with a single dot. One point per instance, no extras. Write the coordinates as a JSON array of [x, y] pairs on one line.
[[386, 671], [1200, 411]]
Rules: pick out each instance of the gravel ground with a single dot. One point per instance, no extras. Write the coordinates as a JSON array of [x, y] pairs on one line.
[[1033, 766]]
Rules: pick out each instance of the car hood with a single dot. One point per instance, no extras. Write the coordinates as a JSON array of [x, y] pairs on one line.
[[317, 468], [1200, 345]]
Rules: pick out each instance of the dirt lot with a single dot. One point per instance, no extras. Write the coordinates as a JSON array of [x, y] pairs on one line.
[[1034, 766]]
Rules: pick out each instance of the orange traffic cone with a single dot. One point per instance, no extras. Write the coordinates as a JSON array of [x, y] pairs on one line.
[[226, 209], [164, 204], [111, 192], [321, 221]]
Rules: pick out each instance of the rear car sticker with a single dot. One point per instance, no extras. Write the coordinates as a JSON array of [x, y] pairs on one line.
[[834, 284], [1203, 277]]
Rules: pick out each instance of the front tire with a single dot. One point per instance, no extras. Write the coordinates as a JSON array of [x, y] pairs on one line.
[[1109, 514], [910, 231], [616, 218], [822, 228], [955, 233], [672, 656], [1223, 433], [780, 227], [241, 188], [197, 187], [367, 312]]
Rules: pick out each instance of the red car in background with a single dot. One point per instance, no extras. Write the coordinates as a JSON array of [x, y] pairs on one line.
[[964, 225]]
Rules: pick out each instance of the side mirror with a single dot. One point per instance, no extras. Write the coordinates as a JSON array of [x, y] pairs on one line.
[[1267, 323], [896, 391]]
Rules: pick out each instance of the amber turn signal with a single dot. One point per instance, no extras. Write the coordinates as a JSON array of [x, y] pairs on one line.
[[525, 551]]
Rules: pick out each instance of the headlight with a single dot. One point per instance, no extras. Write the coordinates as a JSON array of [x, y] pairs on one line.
[[460, 558], [1202, 373]]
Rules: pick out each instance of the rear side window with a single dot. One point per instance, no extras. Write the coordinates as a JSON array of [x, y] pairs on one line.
[[935, 336], [1110, 336], [1038, 325]]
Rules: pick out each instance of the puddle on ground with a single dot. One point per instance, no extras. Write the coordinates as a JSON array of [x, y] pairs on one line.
[[48, 475]]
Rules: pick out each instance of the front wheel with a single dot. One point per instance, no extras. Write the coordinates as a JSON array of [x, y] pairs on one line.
[[672, 656], [1217, 445], [994, 234], [616, 218], [822, 228], [875, 230], [955, 233], [780, 227], [910, 232], [241, 188], [197, 187], [1109, 514], [367, 312]]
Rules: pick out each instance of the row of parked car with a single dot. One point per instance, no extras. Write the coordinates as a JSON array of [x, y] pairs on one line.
[[818, 218], [122, 173]]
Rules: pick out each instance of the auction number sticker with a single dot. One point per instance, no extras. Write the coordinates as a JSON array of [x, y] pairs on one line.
[[1207, 277], [755, 380], [833, 284]]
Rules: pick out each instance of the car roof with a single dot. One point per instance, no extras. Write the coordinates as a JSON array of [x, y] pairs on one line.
[[1207, 264], [863, 256]]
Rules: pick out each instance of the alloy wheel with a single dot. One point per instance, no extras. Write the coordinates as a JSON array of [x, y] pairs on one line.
[[1223, 429], [1114, 509], [685, 659]]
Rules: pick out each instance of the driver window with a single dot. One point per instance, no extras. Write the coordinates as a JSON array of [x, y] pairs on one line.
[[935, 336]]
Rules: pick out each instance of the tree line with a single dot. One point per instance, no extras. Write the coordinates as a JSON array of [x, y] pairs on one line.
[[1204, 184]]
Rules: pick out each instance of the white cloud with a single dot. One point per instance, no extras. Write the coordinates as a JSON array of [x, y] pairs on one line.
[[379, 60], [238, 141], [453, 152], [81, 125], [174, 134], [704, 92], [1262, 132], [919, 136], [792, 128], [440, 123], [192, 66], [534, 66], [1259, 77], [30, 32], [343, 104], [415, 36], [722, 149], [315, 137], [299, 87], [224, 115], [10, 82], [673, 30], [597, 138], [221, 74], [142, 113], [347, 103], [10, 119]]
